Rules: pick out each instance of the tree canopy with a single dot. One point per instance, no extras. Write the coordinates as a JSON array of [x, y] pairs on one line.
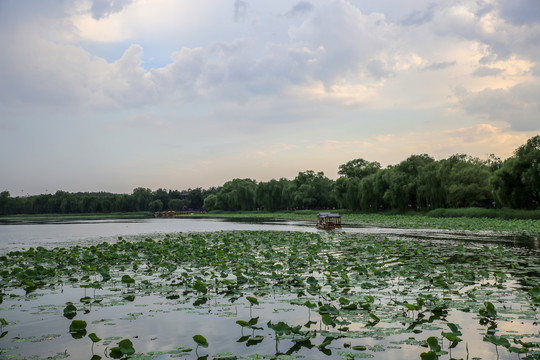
[[418, 182]]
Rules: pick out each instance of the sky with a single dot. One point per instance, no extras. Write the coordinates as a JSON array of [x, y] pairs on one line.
[[110, 95]]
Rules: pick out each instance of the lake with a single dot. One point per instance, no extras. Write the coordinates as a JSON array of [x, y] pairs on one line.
[[64, 233], [267, 289]]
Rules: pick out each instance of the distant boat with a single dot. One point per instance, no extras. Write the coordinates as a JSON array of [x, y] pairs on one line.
[[328, 221]]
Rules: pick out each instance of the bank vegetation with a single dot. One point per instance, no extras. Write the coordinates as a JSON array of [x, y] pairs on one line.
[[459, 185]]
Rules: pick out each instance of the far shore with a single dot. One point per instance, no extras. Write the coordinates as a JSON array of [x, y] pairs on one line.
[[505, 220]]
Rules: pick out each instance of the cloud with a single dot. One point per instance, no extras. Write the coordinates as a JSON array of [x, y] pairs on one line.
[[439, 65], [240, 8], [518, 106], [312, 62], [301, 8], [368, 36], [520, 12], [103, 8], [483, 71], [47, 72], [420, 17], [379, 69]]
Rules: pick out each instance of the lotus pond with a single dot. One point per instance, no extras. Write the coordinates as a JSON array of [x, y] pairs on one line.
[[271, 295]]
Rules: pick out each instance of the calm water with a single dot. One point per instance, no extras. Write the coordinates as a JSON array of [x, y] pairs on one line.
[[53, 234], [66, 233], [154, 323]]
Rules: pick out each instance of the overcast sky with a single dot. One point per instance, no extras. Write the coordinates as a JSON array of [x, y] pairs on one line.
[[110, 95]]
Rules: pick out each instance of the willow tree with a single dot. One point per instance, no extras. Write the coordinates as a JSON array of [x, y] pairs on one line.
[[517, 182]]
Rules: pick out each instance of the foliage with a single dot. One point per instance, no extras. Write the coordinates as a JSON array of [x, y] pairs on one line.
[[176, 205], [237, 194], [200, 341], [417, 183], [517, 182], [155, 205], [313, 190], [358, 168], [353, 288], [210, 202]]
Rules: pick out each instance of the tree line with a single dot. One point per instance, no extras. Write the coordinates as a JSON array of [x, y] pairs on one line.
[[418, 182]]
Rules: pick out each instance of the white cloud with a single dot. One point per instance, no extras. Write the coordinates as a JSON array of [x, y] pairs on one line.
[[272, 73], [316, 52]]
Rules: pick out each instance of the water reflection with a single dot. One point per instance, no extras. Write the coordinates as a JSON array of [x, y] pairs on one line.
[[167, 322], [88, 232]]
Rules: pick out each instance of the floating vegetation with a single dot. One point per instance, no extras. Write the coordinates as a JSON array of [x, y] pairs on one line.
[[463, 222], [270, 295]]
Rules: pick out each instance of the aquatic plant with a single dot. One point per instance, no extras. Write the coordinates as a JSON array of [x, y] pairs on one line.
[[337, 287]]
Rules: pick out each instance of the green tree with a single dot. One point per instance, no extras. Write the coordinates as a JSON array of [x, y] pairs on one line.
[[465, 181], [142, 198], [404, 180], [369, 199], [163, 195], [195, 199], [68, 203], [287, 195], [5, 207], [90, 203], [313, 190], [359, 168], [339, 192], [237, 194], [176, 205], [155, 205], [517, 182], [210, 202], [430, 192], [269, 195]]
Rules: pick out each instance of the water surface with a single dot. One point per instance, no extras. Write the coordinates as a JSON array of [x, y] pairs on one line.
[[155, 323]]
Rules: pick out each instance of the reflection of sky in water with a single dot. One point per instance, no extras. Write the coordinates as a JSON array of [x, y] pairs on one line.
[[167, 324], [17, 236], [164, 325], [23, 236]]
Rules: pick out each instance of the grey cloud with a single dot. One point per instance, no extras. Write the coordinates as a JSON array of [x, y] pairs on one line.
[[13, 10], [420, 17], [508, 39], [484, 71], [520, 12], [316, 52], [439, 65], [518, 106], [335, 54], [378, 69], [300, 8], [487, 9], [103, 8], [240, 8], [236, 71]]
